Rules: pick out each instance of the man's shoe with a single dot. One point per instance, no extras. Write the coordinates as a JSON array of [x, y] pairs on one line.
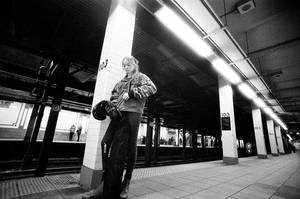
[[94, 194], [90, 195], [125, 189]]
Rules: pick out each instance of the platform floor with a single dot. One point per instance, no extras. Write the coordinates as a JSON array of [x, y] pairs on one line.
[[252, 178]]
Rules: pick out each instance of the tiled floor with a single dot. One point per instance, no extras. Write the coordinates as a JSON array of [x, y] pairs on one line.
[[253, 178]]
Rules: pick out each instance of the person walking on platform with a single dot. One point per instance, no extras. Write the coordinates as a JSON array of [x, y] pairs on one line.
[[120, 140], [78, 131], [72, 131]]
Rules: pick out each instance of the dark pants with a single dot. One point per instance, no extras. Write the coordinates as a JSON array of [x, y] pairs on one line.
[[78, 136], [71, 136], [119, 146]]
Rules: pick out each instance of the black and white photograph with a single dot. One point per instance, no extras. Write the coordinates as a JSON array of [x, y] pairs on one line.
[[149, 99]]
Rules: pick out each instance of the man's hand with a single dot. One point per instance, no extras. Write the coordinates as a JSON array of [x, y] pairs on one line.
[[125, 96]]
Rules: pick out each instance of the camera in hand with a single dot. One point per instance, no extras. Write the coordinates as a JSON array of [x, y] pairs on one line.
[[106, 108]]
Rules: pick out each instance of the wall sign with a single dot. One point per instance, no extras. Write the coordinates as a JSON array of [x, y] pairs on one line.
[[225, 121]]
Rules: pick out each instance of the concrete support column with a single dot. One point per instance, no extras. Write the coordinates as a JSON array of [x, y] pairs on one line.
[[279, 139], [230, 154], [259, 133], [117, 44], [272, 137]]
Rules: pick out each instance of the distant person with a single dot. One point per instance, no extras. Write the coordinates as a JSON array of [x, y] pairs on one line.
[[72, 131], [292, 146], [144, 139], [78, 131]]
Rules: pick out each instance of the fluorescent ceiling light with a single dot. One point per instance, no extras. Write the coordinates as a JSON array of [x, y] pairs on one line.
[[247, 91], [273, 116], [290, 138], [284, 127], [268, 111], [183, 31], [279, 122], [259, 102], [226, 71]]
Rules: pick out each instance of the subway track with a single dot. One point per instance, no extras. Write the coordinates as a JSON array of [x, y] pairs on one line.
[[12, 169]]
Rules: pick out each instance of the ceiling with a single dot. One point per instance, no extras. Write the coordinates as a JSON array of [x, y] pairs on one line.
[[35, 32], [270, 36]]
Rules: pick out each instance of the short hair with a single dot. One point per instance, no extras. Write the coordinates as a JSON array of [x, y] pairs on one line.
[[132, 60]]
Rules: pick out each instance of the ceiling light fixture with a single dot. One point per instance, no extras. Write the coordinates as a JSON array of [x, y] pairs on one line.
[[226, 71], [202, 13], [268, 111], [190, 37], [247, 91], [281, 124], [183, 31], [259, 102], [271, 114]]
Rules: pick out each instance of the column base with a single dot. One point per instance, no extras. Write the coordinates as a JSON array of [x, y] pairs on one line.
[[275, 154], [90, 178], [230, 160], [262, 156], [282, 153]]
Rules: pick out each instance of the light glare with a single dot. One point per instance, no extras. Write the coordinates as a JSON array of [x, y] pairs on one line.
[[247, 91], [259, 102], [268, 111], [183, 31], [278, 120], [225, 70]]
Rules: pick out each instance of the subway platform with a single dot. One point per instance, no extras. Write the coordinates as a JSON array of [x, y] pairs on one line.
[[252, 178]]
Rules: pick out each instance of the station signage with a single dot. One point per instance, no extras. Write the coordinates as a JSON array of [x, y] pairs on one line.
[[225, 121]]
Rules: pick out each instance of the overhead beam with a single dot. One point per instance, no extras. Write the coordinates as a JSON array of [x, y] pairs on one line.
[[268, 48], [295, 113], [22, 78], [25, 97], [285, 89], [16, 95]]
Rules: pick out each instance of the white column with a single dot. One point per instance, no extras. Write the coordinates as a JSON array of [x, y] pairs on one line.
[[229, 144], [272, 138], [279, 139], [117, 44], [259, 133]]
